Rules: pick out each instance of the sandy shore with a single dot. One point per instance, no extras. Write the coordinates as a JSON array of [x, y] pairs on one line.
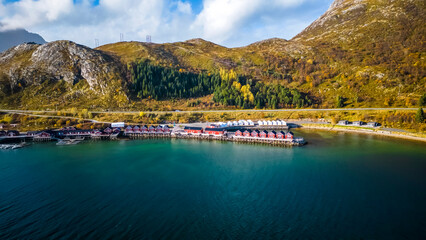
[[365, 131]]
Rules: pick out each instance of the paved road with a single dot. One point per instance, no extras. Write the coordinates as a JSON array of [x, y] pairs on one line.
[[205, 124], [63, 117], [218, 111]]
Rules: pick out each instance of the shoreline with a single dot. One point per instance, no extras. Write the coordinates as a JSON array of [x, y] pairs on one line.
[[364, 131]]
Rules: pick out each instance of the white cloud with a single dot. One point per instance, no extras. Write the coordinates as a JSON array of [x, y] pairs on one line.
[[221, 19], [228, 22], [28, 13], [184, 7]]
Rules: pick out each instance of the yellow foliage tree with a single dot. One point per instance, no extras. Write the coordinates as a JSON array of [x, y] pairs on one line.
[[74, 111], [247, 94], [237, 85]]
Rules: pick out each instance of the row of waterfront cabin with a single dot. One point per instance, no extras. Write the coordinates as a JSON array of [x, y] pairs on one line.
[[146, 129], [40, 134], [207, 131], [265, 134], [10, 133], [272, 123], [240, 123]]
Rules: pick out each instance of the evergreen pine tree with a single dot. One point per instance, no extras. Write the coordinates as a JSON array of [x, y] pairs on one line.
[[420, 118], [422, 100]]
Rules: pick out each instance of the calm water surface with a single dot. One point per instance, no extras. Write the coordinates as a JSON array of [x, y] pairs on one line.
[[340, 186]]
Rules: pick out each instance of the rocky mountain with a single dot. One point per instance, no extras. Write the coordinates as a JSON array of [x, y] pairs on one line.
[[12, 38], [60, 60], [65, 68], [364, 52]]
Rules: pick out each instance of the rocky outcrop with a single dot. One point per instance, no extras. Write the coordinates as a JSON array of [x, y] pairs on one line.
[[61, 60], [339, 13]]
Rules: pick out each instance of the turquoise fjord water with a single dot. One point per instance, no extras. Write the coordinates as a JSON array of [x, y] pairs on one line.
[[340, 186]]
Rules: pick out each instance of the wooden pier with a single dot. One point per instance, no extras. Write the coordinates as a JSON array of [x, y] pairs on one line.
[[250, 140]]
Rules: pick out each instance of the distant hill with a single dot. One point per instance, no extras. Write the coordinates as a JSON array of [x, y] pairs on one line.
[[360, 53], [12, 38]]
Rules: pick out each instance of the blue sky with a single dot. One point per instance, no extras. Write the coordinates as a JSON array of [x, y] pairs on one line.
[[231, 23]]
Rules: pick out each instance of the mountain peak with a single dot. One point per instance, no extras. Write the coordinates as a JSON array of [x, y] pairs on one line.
[[349, 20], [201, 42], [12, 38]]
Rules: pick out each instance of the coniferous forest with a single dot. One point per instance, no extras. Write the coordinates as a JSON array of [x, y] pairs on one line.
[[159, 83]]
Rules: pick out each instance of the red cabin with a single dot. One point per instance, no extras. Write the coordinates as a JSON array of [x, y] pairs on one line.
[[193, 130], [263, 134], [44, 135], [255, 133], [272, 134], [214, 131], [136, 129], [247, 133], [29, 134], [151, 129], [128, 129], [281, 135], [159, 129], [289, 135], [144, 129], [96, 132], [166, 129], [109, 130], [238, 133]]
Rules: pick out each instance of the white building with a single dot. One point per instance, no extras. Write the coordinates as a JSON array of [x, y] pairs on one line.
[[250, 122], [284, 123], [260, 123], [235, 123], [229, 124], [275, 123], [269, 123], [265, 122], [117, 125]]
